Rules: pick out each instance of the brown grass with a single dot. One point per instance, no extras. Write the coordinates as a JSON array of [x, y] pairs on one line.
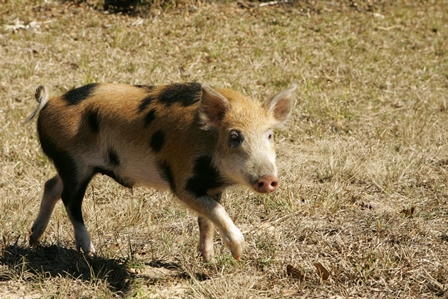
[[364, 160]]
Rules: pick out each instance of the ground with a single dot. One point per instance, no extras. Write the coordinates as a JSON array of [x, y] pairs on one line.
[[362, 208]]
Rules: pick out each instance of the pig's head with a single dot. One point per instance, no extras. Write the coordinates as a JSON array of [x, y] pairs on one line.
[[245, 151]]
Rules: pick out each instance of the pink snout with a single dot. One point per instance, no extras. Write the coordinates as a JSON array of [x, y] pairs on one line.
[[266, 184]]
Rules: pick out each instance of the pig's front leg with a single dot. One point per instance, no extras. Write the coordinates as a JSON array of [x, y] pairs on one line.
[[231, 235], [212, 211]]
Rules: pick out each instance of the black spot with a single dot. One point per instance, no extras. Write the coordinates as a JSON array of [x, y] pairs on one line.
[[150, 116], [93, 120], [120, 180], [167, 174], [145, 103], [157, 140], [205, 177], [148, 88], [112, 157], [77, 95], [185, 94]]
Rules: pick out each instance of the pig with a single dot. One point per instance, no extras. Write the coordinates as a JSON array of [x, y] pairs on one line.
[[189, 138]]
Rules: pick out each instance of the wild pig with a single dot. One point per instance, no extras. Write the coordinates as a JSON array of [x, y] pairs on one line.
[[191, 139]]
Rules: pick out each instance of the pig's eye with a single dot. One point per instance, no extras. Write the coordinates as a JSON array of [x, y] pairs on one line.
[[270, 135], [235, 138]]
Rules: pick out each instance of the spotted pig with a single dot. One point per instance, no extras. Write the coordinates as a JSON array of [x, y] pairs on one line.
[[191, 139]]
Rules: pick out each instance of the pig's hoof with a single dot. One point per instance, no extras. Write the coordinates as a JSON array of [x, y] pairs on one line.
[[207, 257], [207, 252], [34, 237], [211, 261], [236, 244], [33, 241], [36, 234]]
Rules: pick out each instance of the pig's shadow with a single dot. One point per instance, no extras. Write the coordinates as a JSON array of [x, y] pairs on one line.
[[54, 261]]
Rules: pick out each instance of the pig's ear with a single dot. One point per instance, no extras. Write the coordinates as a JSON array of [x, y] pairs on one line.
[[213, 107], [281, 104]]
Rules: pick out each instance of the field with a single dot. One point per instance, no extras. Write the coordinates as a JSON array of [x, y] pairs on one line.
[[362, 208]]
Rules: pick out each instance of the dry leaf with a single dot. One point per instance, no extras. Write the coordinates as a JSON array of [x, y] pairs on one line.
[[323, 273], [296, 273], [408, 212]]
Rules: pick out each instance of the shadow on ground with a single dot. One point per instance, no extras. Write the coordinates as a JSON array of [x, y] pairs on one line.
[[30, 264], [129, 7], [55, 261]]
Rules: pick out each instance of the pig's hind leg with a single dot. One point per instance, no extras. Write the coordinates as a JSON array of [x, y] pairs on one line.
[[75, 186], [52, 193]]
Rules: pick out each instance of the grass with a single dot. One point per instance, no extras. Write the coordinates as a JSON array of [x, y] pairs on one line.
[[363, 160]]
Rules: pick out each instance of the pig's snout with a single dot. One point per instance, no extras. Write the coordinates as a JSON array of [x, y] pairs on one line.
[[266, 184]]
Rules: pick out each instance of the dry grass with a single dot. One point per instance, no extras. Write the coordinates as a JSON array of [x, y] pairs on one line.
[[364, 161]]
